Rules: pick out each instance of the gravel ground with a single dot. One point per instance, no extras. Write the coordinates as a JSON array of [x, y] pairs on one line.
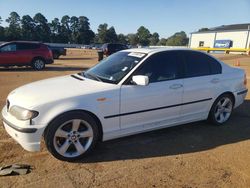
[[194, 155]]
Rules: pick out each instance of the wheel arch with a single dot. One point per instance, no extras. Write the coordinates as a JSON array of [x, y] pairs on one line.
[[38, 57], [228, 93], [224, 93], [99, 124]]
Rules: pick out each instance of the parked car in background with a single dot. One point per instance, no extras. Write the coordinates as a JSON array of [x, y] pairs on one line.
[[86, 47], [97, 46], [110, 48], [22, 53], [57, 51], [129, 92]]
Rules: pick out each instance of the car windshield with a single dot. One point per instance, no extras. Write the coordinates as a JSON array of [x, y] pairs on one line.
[[115, 67]]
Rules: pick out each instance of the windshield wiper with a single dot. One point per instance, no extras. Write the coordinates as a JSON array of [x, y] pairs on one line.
[[93, 76]]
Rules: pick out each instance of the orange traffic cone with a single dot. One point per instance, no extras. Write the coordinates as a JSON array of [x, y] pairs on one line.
[[237, 63]]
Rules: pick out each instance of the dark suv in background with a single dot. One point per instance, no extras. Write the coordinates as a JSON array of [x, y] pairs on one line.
[[57, 51], [110, 48], [21, 53]]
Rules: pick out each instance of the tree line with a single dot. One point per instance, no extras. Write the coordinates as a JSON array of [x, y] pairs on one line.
[[77, 30]]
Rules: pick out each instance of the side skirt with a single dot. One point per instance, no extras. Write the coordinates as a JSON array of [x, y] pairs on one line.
[[141, 129]]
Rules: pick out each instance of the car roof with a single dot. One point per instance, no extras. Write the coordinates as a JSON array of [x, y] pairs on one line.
[[30, 42], [151, 51], [155, 50]]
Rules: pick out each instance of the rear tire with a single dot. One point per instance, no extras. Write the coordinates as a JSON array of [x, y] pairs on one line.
[[221, 110], [71, 136], [38, 64]]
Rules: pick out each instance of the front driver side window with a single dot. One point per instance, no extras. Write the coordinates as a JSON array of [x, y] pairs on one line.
[[9, 48], [162, 66]]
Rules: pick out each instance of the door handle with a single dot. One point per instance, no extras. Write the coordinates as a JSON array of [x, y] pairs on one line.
[[176, 86], [215, 80]]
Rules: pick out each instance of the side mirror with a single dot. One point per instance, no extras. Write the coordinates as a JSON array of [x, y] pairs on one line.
[[140, 80]]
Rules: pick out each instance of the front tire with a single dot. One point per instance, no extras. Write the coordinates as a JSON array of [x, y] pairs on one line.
[[71, 136], [221, 110], [38, 64]]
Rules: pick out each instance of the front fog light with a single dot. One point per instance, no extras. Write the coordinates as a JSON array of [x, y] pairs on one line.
[[22, 113]]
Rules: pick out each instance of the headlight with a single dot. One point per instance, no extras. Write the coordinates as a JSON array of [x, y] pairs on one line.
[[22, 113]]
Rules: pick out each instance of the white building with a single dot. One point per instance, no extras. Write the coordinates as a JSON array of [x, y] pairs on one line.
[[226, 36]]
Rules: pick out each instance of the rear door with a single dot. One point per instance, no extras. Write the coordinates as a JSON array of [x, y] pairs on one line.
[[157, 104], [201, 84], [25, 52], [8, 54]]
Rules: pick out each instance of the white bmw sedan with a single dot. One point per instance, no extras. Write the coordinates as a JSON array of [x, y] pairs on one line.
[[130, 92]]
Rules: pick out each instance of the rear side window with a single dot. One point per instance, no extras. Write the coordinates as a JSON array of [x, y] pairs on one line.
[[8, 48], [215, 66], [199, 64], [162, 66], [27, 46]]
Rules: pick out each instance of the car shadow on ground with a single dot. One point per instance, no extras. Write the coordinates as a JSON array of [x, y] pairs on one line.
[[46, 69], [189, 138]]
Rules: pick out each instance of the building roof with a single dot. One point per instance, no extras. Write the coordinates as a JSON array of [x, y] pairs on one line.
[[233, 27]]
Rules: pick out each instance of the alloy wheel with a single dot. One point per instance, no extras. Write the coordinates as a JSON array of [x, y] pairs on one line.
[[223, 109], [39, 64], [73, 138]]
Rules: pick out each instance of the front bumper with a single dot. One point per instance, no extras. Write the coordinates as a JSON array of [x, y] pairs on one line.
[[28, 136]]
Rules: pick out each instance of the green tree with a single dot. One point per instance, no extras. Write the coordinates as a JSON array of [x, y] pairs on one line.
[[13, 32], [2, 37], [65, 33], [85, 34], [154, 39], [162, 42], [111, 35], [203, 29], [42, 29], [122, 39], [102, 33], [74, 29], [28, 28], [55, 27], [13, 20], [133, 39], [66, 21], [178, 39], [143, 36], [96, 39]]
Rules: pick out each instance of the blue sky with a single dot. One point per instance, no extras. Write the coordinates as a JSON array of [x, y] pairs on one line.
[[163, 16]]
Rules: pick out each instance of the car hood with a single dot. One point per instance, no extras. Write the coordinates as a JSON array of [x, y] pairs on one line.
[[54, 89]]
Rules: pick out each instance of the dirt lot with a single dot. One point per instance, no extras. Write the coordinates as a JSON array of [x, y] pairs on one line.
[[194, 155]]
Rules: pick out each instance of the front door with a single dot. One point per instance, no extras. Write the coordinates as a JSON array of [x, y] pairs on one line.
[[157, 104]]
